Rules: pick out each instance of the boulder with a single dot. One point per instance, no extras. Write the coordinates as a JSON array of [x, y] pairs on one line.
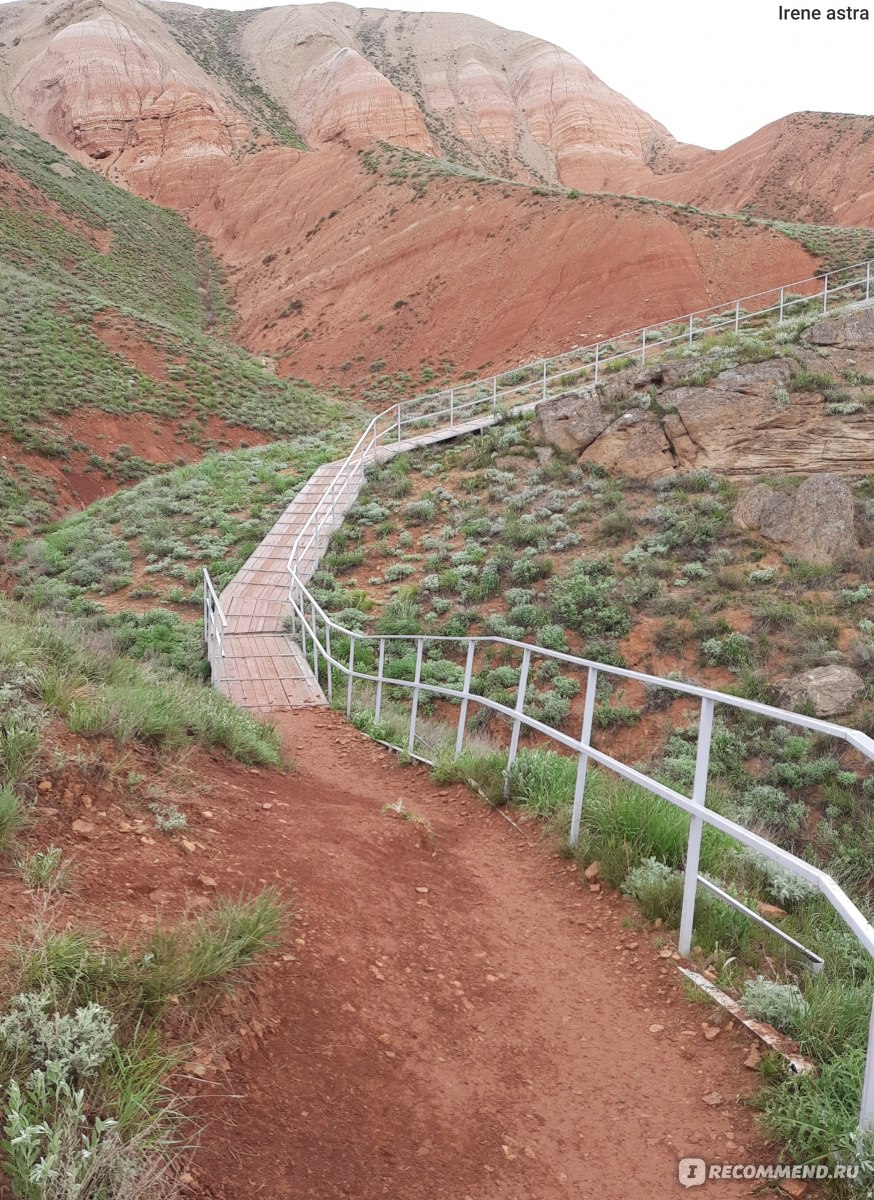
[[849, 331], [815, 523], [636, 445], [570, 422], [830, 690]]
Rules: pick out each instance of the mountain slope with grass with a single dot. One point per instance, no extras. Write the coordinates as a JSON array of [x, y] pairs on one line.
[[114, 356]]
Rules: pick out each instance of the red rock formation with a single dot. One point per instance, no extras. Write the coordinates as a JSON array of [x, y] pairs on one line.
[[112, 88], [499, 100]]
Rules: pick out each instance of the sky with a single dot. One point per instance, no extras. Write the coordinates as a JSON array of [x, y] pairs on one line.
[[713, 72]]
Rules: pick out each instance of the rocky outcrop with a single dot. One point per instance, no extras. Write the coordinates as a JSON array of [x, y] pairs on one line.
[[829, 691], [572, 422], [636, 445], [816, 523], [742, 423], [848, 331]]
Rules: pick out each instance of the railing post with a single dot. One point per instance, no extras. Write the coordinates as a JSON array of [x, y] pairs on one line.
[[696, 827], [377, 706], [315, 639], [583, 763], [465, 687], [643, 349], [825, 293], [597, 359], [494, 394], [206, 610], [350, 680], [737, 316], [866, 1111], [451, 407], [517, 724], [399, 423], [691, 328], [782, 296], [868, 280], [329, 666], [544, 379], [414, 710]]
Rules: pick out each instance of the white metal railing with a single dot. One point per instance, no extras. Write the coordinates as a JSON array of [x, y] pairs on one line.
[[314, 629], [214, 625], [536, 381]]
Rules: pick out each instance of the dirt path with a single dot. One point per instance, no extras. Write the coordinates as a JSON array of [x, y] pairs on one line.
[[503, 1034]]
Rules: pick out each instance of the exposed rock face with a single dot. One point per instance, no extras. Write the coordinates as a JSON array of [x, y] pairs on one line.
[[571, 422], [830, 690], [113, 88], [850, 331], [739, 424], [458, 86], [816, 523], [635, 445], [110, 76]]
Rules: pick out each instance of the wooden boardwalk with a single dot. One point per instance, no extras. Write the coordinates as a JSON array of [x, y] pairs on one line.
[[263, 668]]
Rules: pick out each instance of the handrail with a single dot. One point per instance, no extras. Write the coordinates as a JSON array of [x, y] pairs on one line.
[[491, 394], [214, 625], [309, 618]]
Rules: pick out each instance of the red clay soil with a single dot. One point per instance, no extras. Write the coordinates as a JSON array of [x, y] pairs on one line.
[[452, 1016], [334, 267], [458, 1018]]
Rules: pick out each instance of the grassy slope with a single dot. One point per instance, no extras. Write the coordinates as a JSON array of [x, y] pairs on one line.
[[82, 265], [149, 543]]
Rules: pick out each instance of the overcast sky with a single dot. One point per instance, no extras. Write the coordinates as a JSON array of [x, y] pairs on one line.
[[712, 72]]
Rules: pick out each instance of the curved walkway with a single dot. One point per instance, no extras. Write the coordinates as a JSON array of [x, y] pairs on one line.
[[263, 668]]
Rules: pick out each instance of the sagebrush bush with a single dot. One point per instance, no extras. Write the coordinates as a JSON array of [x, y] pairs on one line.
[[779, 1004]]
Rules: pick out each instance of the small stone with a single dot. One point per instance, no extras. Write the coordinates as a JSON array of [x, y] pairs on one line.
[[711, 1032], [188, 847], [423, 891], [793, 1187], [752, 1060], [267, 806], [207, 881], [771, 912], [147, 841], [714, 1099], [44, 785], [592, 872], [83, 828], [656, 1028]]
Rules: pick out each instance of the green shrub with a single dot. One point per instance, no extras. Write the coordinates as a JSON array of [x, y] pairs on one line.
[[779, 1004], [585, 599], [657, 889]]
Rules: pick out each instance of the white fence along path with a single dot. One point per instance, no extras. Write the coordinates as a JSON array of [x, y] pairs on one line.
[[258, 665]]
